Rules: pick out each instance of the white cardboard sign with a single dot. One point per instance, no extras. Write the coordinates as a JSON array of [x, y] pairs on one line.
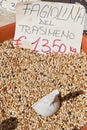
[[49, 27]]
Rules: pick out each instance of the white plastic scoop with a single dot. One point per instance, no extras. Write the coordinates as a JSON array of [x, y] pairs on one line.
[[48, 105]]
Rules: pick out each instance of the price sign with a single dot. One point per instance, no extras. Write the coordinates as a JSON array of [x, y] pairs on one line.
[[49, 27]]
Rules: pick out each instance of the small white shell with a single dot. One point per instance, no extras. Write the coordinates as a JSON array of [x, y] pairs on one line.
[[47, 105]]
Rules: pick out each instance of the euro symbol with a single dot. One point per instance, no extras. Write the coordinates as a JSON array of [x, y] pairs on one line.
[[18, 41]]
